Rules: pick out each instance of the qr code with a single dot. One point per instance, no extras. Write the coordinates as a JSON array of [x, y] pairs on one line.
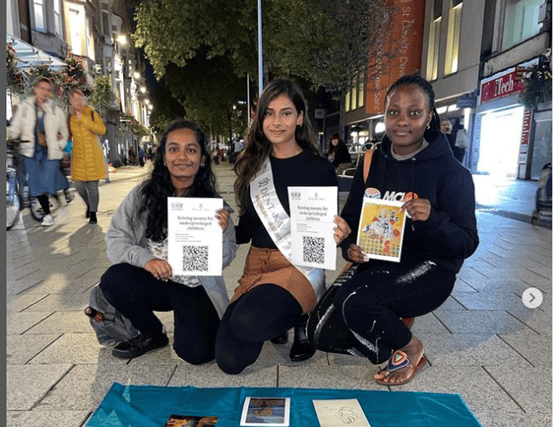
[[195, 258], [312, 249]]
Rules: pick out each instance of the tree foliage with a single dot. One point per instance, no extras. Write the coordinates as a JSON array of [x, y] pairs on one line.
[[174, 31], [204, 49], [328, 42], [102, 96], [208, 89]]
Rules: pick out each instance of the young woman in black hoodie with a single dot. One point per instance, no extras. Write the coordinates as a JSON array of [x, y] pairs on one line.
[[413, 164]]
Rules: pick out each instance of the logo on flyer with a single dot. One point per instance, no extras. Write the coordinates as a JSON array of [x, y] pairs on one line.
[[372, 193], [296, 195]]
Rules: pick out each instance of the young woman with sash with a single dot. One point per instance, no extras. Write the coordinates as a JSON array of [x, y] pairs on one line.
[[414, 164], [273, 295]]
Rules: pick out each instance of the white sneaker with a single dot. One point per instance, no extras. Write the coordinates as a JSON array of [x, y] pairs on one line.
[[48, 221]]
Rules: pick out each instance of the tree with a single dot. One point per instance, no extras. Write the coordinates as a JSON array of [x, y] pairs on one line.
[[174, 31], [102, 96], [208, 89], [329, 42], [202, 52]]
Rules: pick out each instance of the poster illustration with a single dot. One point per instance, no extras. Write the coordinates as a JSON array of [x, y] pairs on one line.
[[381, 229]]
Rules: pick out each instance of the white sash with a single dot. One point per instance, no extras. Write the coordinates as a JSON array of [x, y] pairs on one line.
[[277, 222]]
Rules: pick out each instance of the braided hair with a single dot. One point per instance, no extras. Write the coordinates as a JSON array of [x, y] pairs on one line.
[[426, 88]]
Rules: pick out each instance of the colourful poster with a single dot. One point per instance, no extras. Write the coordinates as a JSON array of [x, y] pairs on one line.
[[381, 229]]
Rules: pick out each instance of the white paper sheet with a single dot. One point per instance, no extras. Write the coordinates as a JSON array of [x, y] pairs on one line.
[[312, 211], [340, 413], [194, 236]]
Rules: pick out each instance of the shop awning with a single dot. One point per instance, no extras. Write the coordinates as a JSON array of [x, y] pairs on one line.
[[29, 56]]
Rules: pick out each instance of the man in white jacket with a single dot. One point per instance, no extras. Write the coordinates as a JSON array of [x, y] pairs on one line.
[[41, 126]]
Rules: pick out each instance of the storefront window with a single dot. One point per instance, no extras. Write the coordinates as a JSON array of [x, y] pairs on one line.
[[453, 38], [521, 21]]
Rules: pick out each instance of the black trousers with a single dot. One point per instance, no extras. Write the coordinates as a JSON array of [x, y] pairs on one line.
[[259, 315], [362, 316], [137, 294]]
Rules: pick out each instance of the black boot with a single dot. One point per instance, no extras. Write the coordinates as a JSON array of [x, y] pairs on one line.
[[281, 339], [301, 348]]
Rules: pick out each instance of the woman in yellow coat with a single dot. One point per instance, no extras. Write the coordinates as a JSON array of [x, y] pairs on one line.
[[87, 158]]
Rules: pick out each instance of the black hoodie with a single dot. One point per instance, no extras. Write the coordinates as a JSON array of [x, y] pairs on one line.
[[450, 234]]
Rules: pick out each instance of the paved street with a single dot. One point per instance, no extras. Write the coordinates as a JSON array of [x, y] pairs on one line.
[[483, 343]]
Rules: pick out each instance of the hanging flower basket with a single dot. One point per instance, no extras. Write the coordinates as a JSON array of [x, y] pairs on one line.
[[538, 83]]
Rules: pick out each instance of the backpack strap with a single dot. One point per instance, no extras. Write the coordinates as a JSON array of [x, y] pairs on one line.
[[368, 156]]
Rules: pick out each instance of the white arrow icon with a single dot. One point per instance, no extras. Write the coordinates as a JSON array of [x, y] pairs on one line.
[[532, 298]]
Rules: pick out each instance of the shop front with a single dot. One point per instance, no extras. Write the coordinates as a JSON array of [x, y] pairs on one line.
[[502, 128]]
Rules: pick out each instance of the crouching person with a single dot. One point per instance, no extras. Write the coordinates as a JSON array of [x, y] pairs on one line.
[[141, 280]]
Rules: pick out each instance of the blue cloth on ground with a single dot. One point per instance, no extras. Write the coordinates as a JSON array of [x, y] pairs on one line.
[[151, 406]]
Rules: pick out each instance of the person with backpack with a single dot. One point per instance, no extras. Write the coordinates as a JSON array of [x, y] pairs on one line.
[[87, 158], [366, 315], [141, 280]]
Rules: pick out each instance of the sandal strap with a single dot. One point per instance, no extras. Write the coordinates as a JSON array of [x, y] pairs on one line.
[[398, 360]]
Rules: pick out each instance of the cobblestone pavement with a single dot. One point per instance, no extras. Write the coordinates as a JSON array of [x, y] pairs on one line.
[[483, 343]]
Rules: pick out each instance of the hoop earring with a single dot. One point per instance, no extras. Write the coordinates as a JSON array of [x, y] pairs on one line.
[[202, 164]]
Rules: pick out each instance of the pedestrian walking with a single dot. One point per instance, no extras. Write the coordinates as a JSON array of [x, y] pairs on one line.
[[41, 126], [141, 280], [87, 161]]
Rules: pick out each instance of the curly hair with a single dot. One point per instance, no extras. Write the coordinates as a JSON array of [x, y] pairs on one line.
[[159, 186], [258, 147], [426, 88]]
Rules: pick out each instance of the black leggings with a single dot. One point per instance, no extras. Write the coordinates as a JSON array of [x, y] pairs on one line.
[[137, 294], [261, 314], [362, 316], [44, 203]]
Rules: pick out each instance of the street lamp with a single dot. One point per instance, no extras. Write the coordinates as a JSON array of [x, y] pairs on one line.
[[136, 74], [122, 39]]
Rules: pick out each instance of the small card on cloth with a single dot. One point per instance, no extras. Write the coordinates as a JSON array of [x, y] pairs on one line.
[[266, 411], [340, 413]]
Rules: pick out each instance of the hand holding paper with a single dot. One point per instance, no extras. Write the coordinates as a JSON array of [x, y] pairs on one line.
[[342, 230], [313, 214], [195, 235]]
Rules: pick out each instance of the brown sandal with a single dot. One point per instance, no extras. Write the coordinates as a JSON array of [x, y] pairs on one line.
[[400, 360]]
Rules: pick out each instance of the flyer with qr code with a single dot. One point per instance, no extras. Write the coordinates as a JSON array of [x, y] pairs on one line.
[[381, 230], [195, 238], [312, 211]]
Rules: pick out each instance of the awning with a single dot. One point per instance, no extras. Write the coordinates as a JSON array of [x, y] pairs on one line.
[[29, 56]]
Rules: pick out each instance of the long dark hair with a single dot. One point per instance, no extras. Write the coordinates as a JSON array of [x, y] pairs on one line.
[[335, 148], [159, 186], [426, 88], [258, 147]]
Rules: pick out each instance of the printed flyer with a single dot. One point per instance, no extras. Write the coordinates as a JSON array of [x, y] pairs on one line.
[[312, 211], [194, 236], [381, 230]]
